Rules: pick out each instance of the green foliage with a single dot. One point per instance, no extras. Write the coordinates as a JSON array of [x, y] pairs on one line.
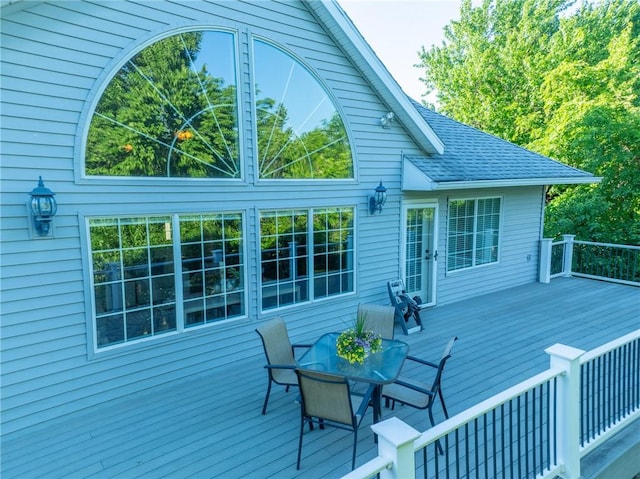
[[356, 343], [560, 80]]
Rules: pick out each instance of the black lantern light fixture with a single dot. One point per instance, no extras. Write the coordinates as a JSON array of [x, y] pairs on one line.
[[43, 208], [377, 201]]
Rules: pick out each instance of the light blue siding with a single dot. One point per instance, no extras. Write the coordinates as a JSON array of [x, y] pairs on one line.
[[57, 57], [518, 248]]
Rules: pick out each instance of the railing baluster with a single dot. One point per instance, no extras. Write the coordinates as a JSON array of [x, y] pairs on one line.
[[534, 445], [466, 451], [476, 447], [511, 438], [519, 430], [592, 405], [484, 440], [526, 432], [493, 443], [446, 455], [457, 450]]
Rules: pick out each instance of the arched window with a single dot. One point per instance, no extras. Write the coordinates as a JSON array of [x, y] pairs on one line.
[[300, 132], [171, 111]]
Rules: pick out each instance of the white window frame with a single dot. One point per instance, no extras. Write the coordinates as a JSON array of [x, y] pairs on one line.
[[475, 234], [311, 295], [176, 245]]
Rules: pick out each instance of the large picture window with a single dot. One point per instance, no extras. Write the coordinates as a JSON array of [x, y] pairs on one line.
[[473, 232], [141, 289], [295, 242]]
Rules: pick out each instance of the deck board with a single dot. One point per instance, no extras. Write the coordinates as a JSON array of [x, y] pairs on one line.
[[210, 426]]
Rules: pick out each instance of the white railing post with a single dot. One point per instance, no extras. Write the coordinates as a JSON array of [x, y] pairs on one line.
[[567, 438], [395, 442], [567, 258], [544, 272]]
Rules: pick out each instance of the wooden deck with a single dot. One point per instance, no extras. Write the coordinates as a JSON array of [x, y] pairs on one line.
[[210, 426]]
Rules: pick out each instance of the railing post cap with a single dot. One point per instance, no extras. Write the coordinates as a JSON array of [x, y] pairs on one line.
[[563, 351], [395, 431]]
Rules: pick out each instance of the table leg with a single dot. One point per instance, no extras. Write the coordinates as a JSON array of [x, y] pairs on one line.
[[377, 403]]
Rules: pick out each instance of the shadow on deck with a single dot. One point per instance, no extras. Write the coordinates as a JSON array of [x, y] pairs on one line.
[[210, 426]]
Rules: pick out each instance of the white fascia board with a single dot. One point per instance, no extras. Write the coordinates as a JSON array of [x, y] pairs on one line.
[[426, 184], [354, 45]]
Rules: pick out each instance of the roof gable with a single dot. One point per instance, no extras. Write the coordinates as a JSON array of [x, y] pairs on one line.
[[347, 36]]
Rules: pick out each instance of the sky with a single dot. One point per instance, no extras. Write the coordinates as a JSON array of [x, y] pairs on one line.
[[397, 29]]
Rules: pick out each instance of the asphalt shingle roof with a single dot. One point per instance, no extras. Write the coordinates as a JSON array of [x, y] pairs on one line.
[[473, 155]]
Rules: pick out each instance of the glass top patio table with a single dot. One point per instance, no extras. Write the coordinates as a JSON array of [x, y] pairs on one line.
[[378, 368]]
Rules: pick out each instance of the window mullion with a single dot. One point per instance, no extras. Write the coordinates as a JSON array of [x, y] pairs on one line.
[[177, 261], [475, 233], [311, 252]]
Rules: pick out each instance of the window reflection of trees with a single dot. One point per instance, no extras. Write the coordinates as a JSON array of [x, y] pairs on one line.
[[170, 113], [287, 257], [134, 274], [300, 132]]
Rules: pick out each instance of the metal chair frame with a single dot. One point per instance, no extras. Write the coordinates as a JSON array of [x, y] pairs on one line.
[[426, 395], [280, 354], [321, 398]]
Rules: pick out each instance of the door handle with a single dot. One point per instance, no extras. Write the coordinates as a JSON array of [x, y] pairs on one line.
[[433, 256]]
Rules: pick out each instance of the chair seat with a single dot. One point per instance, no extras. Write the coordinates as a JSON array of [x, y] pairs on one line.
[[285, 376], [407, 395]]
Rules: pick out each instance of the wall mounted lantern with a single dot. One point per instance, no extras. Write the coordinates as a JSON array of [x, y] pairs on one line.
[[377, 201], [387, 119], [43, 209]]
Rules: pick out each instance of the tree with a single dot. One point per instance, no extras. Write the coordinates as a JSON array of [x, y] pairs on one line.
[[561, 81]]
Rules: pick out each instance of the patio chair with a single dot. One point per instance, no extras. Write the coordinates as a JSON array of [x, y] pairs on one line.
[[406, 308], [280, 354], [416, 393], [379, 318], [326, 399]]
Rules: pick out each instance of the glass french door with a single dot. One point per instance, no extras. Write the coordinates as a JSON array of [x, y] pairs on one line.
[[420, 251]]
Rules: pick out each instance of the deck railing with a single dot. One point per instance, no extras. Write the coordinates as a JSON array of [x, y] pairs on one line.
[[540, 428], [603, 261]]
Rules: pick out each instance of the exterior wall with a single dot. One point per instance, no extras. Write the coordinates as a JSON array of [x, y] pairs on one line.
[[56, 59], [521, 230]]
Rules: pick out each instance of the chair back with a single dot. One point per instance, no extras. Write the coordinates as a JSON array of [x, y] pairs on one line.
[[276, 343], [446, 354], [380, 319], [394, 288], [326, 396]]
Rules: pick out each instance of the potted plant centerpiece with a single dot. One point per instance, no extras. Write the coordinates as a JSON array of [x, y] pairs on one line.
[[356, 343]]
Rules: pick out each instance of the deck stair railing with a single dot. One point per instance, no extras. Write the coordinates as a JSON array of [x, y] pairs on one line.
[[586, 259], [540, 428]]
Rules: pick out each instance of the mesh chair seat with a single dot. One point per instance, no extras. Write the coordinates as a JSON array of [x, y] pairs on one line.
[[408, 391], [284, 377]]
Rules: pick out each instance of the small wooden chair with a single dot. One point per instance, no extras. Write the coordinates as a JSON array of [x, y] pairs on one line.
[[405, 307]]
